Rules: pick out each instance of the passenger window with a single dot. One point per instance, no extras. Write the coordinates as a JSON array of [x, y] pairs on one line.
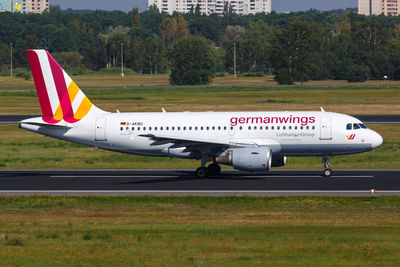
[[195, 128], [155, 128], [295, 127], [284, 127], [179, 128], [290, 127], [138, 128], [201, 128], [260, 127], [184, 128], [122, 128], [167, 128], [213, 128], [308, 127], [301, 127], [161, 128], [266, 127], [313, 127], [356, 126], [219, 128], [208, 128], [278, 127], [144, 128], [240, 128], [231, 127], [127, 128], [225, 128], [255, 127], [133, 128], [363, 126], [149, 128], [349, 126], [272, 127], [249, 127]]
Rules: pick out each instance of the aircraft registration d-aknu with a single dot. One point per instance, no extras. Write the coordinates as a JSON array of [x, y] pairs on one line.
[[248, 141]]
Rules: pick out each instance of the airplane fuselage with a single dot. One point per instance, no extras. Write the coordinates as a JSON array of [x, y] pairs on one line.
[[286, 133]]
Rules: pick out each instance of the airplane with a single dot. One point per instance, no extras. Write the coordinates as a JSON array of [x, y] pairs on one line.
[[248, 141]]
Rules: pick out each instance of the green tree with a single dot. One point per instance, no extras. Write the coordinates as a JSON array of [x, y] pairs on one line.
[[193, 61], [173, 28], [294, 52], [154, 59], [95, 55], [23, 44], [4, 56], [68, 59], [135, 18], [370, 40]]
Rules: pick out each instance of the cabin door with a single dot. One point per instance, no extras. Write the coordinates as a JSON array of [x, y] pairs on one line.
[[326, 128]]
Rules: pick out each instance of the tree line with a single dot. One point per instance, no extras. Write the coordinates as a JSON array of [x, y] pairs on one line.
[[300, 46]]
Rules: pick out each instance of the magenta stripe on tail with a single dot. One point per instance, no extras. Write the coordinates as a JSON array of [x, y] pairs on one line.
[[40, 87], [62, 90]]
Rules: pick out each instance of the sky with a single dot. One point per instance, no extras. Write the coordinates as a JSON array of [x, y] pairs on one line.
[[277, 5]]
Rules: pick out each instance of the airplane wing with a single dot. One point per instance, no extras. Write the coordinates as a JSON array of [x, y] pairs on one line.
[[181, 141], [186, 141]]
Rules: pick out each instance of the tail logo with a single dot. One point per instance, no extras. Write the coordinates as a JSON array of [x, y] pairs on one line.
[[351, 137], [59, 97]]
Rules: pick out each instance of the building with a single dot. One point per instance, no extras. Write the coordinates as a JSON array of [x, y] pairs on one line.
[[24, 6], [241, 7], [35, 6], [378, 7]]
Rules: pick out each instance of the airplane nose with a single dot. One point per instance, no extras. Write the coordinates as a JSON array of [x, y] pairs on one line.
[[376, 140]]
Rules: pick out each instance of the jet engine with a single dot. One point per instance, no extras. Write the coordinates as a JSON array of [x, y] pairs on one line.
[[255, 159], [278, 161]]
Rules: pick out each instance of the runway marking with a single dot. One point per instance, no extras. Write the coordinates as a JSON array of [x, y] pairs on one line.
[[111, 176], [259, 176]]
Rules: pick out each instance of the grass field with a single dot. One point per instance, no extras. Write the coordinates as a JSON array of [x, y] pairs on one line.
[[199, 231], [20, 149], [150, 93]]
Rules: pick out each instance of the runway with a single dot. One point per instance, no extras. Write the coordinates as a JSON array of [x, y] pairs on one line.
[[183, 182], [368, 119]]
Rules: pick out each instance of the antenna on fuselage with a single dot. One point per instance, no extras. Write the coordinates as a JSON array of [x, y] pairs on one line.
[[163, 110], [322, 109]]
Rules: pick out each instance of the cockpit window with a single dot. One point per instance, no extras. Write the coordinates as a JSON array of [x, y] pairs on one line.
[[356, 126], [349, 126], [363, 126]]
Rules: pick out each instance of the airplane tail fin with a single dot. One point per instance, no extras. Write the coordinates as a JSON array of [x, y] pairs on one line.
[[59, 97]]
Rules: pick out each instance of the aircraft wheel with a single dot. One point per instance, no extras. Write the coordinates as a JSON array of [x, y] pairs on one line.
[[214, 169], [327, 172], [202, 172]]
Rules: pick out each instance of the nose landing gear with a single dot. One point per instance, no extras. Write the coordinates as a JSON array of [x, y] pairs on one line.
[[327, 171]]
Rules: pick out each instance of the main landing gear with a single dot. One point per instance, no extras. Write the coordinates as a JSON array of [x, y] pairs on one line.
[[327, 171], [212, 170]]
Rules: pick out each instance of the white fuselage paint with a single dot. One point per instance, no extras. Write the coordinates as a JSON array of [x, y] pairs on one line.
[[325, 135]]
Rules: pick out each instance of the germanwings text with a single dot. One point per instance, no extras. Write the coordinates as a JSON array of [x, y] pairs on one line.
[[267, 120]]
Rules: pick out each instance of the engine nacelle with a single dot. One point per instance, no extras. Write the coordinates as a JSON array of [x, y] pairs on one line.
[[278, 161], [255, 159]]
